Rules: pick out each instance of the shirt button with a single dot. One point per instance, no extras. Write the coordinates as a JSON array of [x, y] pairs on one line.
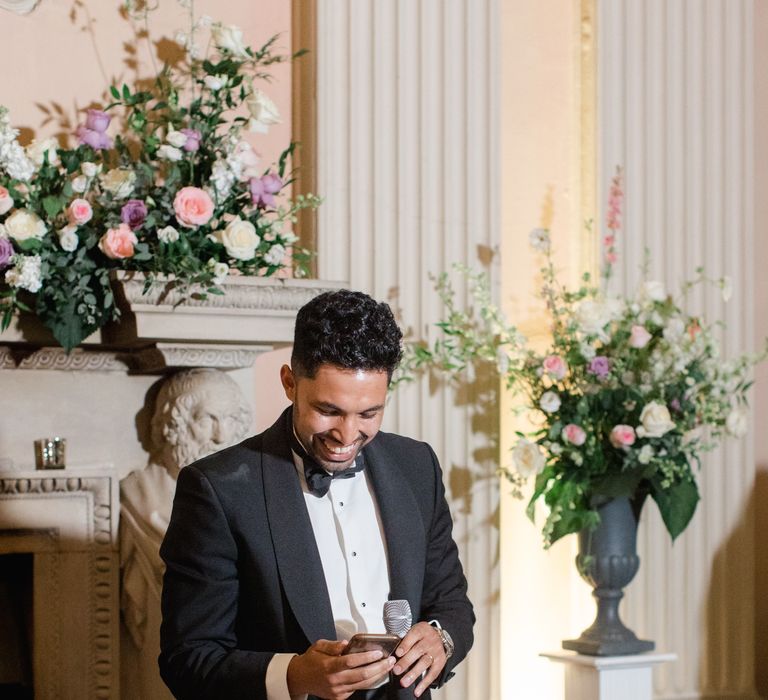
[[354, 554], [363, 604], [341, 504]]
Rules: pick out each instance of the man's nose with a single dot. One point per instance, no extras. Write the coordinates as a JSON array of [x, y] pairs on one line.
[[347, 430]]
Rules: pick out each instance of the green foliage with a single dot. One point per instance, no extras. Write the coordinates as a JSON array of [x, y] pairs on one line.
[[60, 268], [626, 396]]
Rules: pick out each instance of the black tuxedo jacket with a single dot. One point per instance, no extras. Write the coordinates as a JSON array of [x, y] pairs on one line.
[[243, 575]]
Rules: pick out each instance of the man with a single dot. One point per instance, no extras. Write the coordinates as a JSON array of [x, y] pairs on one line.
[[282, 547]]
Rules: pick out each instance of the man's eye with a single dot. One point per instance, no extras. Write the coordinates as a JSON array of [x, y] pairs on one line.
[[368, 416]]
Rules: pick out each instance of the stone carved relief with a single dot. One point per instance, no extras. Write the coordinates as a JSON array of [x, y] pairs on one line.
[[197, 412], [272, 296], [20, 7]]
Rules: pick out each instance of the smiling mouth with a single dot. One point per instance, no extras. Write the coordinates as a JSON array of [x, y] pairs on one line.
[[341, 451]]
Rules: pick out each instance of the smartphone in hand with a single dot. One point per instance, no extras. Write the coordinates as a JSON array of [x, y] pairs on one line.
[[370, 642]]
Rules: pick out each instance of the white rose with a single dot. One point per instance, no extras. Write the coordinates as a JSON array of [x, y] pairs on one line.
[[737, 422], [68, 239], [593, 316], [176, 138], [171, 153], [588, 352], [213, 82], [80, 184], [229, 38], [528, 458], [90, 169], [276, 254], [119, 182], [24, 224], [263, 112], [652, 290], [549, 402], [37, 149], [655, 420], [168, 234], [239, 238]]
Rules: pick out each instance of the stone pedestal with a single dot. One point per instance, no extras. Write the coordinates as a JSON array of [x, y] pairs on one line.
[[609, 677]]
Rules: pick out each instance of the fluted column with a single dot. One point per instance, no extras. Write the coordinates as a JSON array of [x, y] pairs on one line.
[[676, 110], [407, 164]]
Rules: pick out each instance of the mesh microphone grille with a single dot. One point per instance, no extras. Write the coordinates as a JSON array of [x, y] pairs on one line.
[[397, 617]]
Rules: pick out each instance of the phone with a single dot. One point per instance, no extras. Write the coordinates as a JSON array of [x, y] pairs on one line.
[[370, 642]]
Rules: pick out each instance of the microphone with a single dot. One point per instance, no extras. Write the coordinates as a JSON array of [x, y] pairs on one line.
[[397, 617]]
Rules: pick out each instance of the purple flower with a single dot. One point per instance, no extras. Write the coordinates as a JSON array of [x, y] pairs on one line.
[[95, 139], [264, 188], [97, 120], [600, 366], [193, 139], [674, 404], [133, 213], [6, 253]]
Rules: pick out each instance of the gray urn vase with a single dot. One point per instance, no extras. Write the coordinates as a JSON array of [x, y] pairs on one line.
[[608, 561]]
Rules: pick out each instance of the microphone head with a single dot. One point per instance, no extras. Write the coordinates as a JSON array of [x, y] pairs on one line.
[[397, 617]]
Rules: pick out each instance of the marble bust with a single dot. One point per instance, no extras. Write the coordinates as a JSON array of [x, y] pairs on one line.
[[197, 412]]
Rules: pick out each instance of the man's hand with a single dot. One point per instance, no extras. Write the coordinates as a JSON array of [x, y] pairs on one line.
[[420, 650], [321, 671]]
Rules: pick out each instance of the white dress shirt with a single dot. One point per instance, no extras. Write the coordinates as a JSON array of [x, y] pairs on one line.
[[350, 539]]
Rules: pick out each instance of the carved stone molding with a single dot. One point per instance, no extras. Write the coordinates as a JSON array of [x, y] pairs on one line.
[[69, 523], [20, 7], [166, 356], [58, 359], [263, 293]]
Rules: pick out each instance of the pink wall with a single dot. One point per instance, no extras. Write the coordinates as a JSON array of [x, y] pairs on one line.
[[62, 56]]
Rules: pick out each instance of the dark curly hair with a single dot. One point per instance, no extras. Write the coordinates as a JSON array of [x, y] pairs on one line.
[[346, 329]]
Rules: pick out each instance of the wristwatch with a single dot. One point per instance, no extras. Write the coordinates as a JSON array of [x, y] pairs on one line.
[[448, 644]]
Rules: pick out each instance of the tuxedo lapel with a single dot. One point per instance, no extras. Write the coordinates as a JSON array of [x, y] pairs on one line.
[[298, 560], [403, 527]]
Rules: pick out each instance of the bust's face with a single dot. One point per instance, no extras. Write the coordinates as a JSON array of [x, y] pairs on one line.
[[337, 412], [213, 421]]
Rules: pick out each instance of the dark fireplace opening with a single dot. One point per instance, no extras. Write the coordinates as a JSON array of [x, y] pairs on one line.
[[16, 628]]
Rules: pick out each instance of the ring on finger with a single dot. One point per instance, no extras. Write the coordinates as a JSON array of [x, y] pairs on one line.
[[431, 658]]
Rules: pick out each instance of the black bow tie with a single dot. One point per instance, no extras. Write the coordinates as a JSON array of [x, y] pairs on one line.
[[318, 479]]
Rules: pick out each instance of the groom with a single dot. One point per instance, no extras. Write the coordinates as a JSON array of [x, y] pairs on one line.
[[279, 549]]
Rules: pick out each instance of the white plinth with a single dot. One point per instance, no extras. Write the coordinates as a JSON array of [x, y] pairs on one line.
[[609, 677]]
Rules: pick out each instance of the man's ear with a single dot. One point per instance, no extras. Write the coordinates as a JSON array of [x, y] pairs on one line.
[[288, 380]]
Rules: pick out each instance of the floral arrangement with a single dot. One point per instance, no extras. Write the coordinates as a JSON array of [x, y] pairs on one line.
[[178, 193], [623, 400]]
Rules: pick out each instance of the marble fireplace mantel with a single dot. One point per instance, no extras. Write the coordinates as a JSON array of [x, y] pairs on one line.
[[161, 331], [68, 522]]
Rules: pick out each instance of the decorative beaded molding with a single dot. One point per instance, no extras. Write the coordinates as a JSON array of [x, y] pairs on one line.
[[99, 547], [239, 293], [20, 7], [168, 355], [57, 358]]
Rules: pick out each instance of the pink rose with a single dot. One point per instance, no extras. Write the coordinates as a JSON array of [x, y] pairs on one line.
[[622, 436], [6, 201], [79, 212], [117, 243], [555, 366], [574, 434], [639, 337], [193, 207]]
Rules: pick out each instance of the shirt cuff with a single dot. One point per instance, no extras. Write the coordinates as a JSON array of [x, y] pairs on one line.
[[276, 680]]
